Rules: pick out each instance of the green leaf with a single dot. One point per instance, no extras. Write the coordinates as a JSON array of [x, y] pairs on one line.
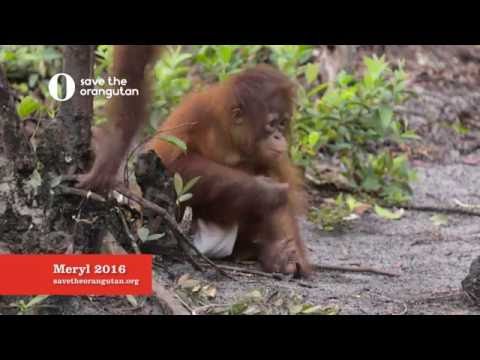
[[238, 309], [27, 106], [184, 197], [174, 141], [460, 129], [190, 184], [178, 184], [313, 138], [9, 56], [318, 310], [311, 72], [225, 52], [143, 233], [132, 300], [352, 203], [375, 66], [410, 135], [344, 79], [36, 300], [371, 183], [387, 214], [386, 115], [317, 89], [155, 237]]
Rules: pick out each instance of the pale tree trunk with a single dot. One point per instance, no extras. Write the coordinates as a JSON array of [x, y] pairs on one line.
[[335, 58]]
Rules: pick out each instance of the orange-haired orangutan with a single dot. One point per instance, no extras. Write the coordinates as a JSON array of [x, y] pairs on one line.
[[249, 192], [126, 115]]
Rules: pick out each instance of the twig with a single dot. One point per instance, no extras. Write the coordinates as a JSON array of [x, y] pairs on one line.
[[354, 269], [185, 305], [436, 296], [189, 256], [444, 210], [275, 276], [171, 223], [132, 238], [79, 192], [466, 206]]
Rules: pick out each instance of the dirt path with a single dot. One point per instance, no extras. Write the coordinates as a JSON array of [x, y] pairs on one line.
[[431, 260]]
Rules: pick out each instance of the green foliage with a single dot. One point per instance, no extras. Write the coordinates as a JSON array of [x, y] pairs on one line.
[[182, 190], [219, 61], [288, 58], [355, 121], [27, 307], [352, 120], [332, 214], [27, 106], [104, 57], [173, 140], [171, 82], [30, 67]]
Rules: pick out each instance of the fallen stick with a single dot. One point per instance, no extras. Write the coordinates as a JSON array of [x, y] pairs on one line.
[[366, 270], [66, 190], [275, 276], [438, 209]]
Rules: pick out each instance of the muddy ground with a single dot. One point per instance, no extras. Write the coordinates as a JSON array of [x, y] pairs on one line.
[[430, 259]]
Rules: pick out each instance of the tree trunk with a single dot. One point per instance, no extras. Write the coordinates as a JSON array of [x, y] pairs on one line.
[[335, 58], [76, 114]]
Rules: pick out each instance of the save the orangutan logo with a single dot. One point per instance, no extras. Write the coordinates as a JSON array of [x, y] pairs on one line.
[[62, 87]]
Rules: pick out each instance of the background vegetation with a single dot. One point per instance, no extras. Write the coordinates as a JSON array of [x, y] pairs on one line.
[[351, 123]]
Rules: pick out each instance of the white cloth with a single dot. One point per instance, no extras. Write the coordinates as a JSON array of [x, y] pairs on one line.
[[213, 240]]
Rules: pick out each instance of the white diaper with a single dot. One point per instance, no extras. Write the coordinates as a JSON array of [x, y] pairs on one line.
[[215, 241]]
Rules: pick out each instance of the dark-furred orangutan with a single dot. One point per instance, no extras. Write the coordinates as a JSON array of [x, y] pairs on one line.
[[249, 193]]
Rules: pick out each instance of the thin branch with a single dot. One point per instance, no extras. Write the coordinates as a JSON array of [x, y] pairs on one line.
[[185, 305], [132, 238], [367, 270], [275, 276], [443, 210], [79, 192]]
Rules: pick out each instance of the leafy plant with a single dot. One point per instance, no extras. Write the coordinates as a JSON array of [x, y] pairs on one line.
[[355, 121], [170, 82], [104, 57], [334, 212], [182, 190], [25, 307], [30, 67]]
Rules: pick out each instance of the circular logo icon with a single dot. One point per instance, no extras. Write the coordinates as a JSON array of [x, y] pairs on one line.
[[69, 87]]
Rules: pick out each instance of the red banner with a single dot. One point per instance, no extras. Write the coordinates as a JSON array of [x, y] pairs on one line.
[[75, 274]]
